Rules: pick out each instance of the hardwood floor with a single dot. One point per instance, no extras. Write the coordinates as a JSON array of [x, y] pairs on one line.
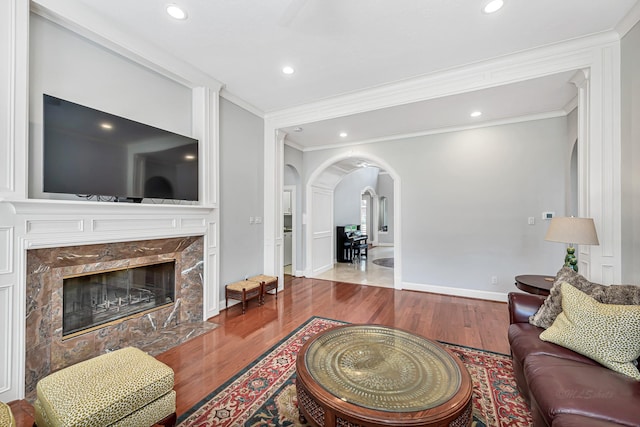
[[207, 361]]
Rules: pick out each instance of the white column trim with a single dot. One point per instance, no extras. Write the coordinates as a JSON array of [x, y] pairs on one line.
[[273, 176], [581, 81], [206, 129], [294, 227], [14, 79]]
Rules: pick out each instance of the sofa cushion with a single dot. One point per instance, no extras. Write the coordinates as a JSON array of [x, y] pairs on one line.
[[607, 333], [552, 306], [570, 420], [564, 386], [524, 340]]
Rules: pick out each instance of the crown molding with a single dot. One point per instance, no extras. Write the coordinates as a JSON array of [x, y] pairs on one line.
[[90, 25], [224, 93], [501, 122], [546, 60], [629, 21], [294, 145], [571, 105]]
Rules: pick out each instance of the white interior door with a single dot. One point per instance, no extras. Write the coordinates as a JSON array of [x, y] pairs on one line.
[[321, 230]]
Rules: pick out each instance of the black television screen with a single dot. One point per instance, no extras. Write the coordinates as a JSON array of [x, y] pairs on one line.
[[91, 152]]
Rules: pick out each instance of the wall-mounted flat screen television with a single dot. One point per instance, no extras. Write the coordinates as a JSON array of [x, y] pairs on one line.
[[93, 153]]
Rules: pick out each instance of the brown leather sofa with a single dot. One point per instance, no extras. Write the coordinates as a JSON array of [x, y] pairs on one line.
[[564, 388]]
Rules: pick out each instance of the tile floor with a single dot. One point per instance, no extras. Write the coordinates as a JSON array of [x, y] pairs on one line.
[[365, 272]]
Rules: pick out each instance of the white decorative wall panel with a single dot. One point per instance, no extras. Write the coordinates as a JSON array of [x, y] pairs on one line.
[[133, 224], [6, 99], [213, 235], [54, 226], [6, 250], [608, 274], [6, 297], [322, 231], [211, 307], [322, 252], [192, 223]]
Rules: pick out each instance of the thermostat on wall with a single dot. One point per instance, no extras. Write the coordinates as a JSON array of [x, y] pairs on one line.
[[548, 215]]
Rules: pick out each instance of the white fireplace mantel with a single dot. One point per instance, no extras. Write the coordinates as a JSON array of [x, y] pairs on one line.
[[35, 224], [53, 207]]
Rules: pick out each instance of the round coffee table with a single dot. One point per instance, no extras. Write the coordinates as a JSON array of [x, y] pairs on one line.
[[371, 375]]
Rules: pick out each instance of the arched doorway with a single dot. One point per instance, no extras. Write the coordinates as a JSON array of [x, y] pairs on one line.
[[320, 227]]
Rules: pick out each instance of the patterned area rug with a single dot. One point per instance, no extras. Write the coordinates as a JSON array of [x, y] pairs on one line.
[[384, 262], [264, 394]]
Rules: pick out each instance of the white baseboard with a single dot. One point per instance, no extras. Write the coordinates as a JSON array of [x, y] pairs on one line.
[[385, 244], [320, 270], [459, 292]]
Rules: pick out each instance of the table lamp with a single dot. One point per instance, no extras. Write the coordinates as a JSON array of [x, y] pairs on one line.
[[574, 231]]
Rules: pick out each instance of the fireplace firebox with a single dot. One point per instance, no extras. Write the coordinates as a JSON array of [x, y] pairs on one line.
[[108, 296]]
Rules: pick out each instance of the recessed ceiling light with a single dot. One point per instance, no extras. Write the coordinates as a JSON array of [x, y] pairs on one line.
[[343, 134], [288, 70], [176, 12], [493, 6], [476, 114], [298, 129], [106, 125], [189, 157]]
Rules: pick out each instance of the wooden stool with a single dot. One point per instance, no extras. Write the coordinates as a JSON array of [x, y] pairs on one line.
[[243, 290], [269, 283], [126, 387]]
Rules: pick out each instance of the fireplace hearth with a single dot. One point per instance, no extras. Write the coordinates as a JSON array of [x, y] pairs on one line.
[[110, 279], [95, 299]]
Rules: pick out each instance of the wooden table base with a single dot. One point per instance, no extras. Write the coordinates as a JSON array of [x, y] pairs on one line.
[[375, 376]]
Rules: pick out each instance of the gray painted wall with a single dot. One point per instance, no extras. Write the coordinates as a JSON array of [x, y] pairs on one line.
[[67, 66], [347, 194], [241, 193], [385, 188], [630, 175], [466, 197]]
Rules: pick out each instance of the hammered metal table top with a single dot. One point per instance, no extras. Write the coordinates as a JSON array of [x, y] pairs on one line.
[[382, 368]]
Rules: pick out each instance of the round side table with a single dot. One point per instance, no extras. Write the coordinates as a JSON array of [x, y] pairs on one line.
[[534, 283]]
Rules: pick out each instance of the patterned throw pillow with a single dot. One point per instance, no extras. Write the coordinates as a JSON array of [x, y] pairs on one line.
[[552, 306], [606, 333]]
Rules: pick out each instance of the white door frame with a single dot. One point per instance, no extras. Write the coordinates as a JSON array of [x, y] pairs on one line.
[[294, 226], [373, 232]]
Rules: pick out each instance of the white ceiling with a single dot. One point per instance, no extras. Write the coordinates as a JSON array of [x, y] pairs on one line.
[[344, 46]]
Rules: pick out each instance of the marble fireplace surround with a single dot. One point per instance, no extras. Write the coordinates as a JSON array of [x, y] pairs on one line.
[[154, 332]]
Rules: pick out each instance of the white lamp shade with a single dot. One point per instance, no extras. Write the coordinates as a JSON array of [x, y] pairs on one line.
[[578, 231]]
